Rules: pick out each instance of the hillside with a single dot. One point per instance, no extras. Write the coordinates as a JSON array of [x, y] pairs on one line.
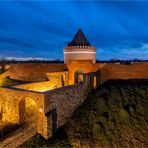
[[116, 115]]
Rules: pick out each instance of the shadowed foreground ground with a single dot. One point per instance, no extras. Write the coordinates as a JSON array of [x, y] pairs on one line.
[[115, 115]]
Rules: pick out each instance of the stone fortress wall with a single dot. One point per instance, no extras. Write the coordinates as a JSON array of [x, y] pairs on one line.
[[59, 79], [12, 103], [79, 53], [56, 104], [54, 107], [34, 71], [54, 80], [60, 105], [135, 70], [37, 86]]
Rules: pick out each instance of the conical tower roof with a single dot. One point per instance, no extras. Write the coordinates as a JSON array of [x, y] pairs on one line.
[[79, 39]]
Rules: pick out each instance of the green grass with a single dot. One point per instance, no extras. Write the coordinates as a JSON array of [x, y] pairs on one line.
[[116, 115]]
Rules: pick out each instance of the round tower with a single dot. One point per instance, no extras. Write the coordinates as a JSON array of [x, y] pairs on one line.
[[79, 49]]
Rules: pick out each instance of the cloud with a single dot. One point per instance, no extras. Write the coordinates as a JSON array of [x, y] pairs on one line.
[[43, 28], [15, 41], [25, 59], [123, 52], [140, 50]]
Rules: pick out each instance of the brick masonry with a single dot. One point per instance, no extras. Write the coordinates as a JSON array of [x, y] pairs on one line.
[[59, 79], [34, 71], [57, 105]]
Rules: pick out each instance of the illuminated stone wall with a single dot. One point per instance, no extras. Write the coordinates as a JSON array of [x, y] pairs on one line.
[[37, 72], [12, 104], [60, 79], [34, 71], [136, 70], [4, 75], [37, 86], [91, 80], [9, 107], [54, 107], [81, 66], [79, 53], [60, 105], [57, 105]]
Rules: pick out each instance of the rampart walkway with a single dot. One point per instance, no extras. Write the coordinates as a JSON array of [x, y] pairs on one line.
[[20, 135]]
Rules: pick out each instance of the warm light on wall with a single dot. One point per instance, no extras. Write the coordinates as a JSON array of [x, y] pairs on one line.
[[38, 86], [40, 110]]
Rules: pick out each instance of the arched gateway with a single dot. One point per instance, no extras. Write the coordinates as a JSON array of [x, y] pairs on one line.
[[28, 111]]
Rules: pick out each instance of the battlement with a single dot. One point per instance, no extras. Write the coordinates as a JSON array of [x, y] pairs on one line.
[[80, 48]]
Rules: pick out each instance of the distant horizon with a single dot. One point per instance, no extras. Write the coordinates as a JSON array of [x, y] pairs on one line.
[[25, 59]]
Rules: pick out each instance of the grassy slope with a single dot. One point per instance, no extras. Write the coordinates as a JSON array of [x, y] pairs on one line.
[[115, 115]]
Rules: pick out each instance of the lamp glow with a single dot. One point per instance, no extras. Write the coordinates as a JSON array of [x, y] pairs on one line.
[[40, 110]]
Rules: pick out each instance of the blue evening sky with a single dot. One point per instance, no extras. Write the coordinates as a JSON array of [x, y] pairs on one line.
[[118, 29]]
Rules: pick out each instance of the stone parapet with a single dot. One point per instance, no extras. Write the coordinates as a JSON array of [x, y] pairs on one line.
[[79, 48], [32, 72], [79, 53]]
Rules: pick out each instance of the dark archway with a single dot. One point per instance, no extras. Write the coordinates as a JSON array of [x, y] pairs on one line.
[[95, 82], [79, 78]]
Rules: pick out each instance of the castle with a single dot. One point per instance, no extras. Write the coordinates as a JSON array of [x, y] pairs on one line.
[[79, 49], [50, 92]]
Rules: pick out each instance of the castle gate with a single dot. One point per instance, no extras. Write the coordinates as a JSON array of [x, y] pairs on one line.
[[28, 111], [91, 80]]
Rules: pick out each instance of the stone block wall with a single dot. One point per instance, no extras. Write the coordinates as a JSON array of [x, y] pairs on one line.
[[34, 71], [54, 107], [90, 80], [4, 75], [79, 53], [85, 66], [9, 107], [12, 102], [37, 86], [136, 70], [60, 104], [37, 71], [59, 79]]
